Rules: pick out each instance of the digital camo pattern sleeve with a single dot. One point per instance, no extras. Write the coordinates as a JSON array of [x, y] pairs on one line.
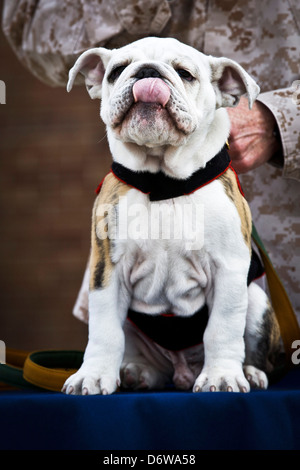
[[48, 35], [285, 106]]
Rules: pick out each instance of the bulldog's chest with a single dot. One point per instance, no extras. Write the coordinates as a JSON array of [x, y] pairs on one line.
[[160, 252]]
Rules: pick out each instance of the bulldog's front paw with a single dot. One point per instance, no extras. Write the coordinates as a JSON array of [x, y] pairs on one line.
[[256, 377], [221, 380], [91, 380]]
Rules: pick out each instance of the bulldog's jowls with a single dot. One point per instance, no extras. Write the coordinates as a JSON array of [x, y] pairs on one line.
[[169, 292]]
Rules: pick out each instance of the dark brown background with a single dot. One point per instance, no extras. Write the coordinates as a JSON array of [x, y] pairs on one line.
[[53, 154]]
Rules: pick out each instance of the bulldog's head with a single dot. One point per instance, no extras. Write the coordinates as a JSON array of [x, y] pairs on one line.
[[159, 97]]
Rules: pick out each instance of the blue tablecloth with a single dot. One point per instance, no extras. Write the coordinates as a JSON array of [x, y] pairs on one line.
[[168, 420]]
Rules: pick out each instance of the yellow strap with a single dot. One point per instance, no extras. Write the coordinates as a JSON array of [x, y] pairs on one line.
[[289, 326], [44, 377]]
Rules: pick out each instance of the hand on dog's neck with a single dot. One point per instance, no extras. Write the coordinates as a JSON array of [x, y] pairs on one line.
[[178, 162]]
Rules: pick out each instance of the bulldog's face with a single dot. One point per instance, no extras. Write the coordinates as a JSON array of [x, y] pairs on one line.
[[159, 92]]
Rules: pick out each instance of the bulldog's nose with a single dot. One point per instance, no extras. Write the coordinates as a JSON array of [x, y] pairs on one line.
[[147, 72]]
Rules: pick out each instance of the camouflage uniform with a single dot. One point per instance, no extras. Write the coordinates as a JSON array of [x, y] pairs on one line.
[[262, 36]]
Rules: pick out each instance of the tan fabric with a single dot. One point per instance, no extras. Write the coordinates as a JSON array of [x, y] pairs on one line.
[[47, 36]]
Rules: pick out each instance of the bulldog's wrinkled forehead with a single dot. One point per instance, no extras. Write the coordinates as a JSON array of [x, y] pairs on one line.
[[166, 50]]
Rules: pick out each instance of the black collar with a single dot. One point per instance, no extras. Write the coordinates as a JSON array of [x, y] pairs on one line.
[[160, 186]]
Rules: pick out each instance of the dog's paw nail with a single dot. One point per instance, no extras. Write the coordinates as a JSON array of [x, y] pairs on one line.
[[70, 390], [229, 389], [197, 389], [85, 391], [262, 384], [249, 377], [212, 388], [104, 392], [244, 390], [118, 382]]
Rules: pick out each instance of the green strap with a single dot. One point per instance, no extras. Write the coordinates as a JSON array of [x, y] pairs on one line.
[[13, 376], [258, 241]]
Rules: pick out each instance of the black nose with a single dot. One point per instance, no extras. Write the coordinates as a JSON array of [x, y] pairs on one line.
[[147, 72]]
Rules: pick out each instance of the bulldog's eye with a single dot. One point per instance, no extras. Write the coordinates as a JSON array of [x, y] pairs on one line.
[[116, 72], [185, 75]]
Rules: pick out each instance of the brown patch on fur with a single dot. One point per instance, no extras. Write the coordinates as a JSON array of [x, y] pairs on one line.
[[104, 213], [272, 330], [263, 344], [268, 345], [228, 179]]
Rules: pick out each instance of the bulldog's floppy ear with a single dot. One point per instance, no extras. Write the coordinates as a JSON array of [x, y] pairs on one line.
[[231, 81], [92, 65]]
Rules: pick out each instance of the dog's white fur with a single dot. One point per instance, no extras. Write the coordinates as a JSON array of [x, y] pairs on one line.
[[156, 276]]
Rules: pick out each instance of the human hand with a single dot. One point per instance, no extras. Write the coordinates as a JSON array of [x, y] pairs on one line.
[[252, 138]]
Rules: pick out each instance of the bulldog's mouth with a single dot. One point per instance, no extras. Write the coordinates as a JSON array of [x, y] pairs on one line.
[[150, 101]]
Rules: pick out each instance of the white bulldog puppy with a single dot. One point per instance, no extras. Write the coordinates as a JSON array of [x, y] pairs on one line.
[[169, 293]]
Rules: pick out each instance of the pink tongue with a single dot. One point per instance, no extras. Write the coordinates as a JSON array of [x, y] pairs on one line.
[[151, 90]]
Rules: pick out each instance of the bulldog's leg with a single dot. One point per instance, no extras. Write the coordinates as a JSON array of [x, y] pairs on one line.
[[224, 346], [99, 372], [262, 337]]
